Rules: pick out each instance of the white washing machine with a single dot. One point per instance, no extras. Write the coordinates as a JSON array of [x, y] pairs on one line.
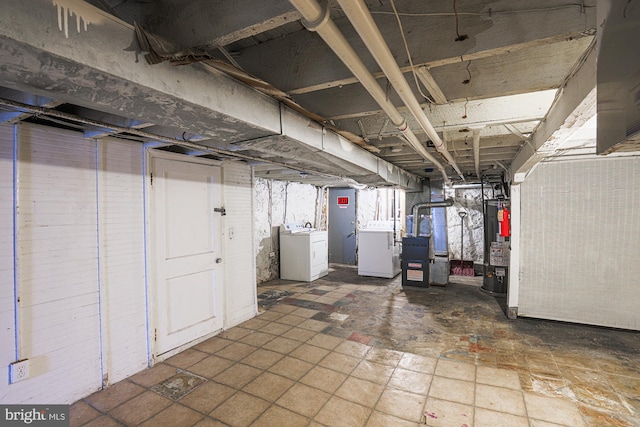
[[378, 254], [304, 253]]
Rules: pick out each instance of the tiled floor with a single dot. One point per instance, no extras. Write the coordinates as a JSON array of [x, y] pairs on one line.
[[353, 351]]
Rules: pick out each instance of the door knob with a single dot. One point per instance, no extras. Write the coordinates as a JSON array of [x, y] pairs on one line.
[[218, 260]]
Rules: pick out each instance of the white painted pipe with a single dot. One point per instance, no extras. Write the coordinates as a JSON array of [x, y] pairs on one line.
[[476, 151], [362, 21], [316, 18]]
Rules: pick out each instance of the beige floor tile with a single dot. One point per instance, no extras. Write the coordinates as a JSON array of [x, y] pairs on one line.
[[109, 398], [415, 362], [498, 377], [328, 299], [299, 334], [236, 351], [576, 360], [487, 418], [500, 399], [211, 366], [340, 362], [378, 419], [240, 410], [341, 413], [262, 359], [277, 416], [412, 381], [373, 372], [270, 315], [275, 328], [442, 413], [234, 334], [291, 368], [313, 325], [283, 308], [453, 390], [103, 421], [253, 324], [539, 423], [209, 422], [554, 410], [140, 408], [308, 297], [282, 345], [456, 370], [155, 375], [174, 415], [237, 376], [309, 353], [212, 345], [207, 396], [401, 404], [324, 379], [325, 341], [291, 320], [384, 356], [256, 339], [352, 348], [186, 358], [268, 386], [304, 312], [360, 391], [303, 400], [81, 413]]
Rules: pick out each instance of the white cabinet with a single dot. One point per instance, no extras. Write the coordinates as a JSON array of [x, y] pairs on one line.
[[304, 256]]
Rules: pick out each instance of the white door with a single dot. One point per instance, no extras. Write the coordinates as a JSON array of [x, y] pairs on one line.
[[186, 251]]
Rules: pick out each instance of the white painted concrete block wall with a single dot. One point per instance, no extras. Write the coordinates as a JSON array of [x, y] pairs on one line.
[[580, 234], [7, 342], [81, 261], [276, 203], [122, 258], [240, 272], [59, 311]]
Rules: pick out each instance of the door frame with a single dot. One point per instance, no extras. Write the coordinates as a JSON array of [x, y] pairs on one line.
[[150, 155]]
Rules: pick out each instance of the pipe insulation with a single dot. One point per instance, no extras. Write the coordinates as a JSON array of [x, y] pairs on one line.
[[359, 16], [316, 19]]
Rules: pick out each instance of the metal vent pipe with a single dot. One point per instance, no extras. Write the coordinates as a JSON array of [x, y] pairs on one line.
[[316, 18]]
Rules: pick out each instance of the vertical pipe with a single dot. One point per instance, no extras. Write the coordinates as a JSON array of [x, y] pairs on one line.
[[16, 290], [145, 208], [514, 257], [476, 152], [101, 320]]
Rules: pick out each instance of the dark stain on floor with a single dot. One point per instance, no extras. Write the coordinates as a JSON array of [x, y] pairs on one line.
[[597, 367]]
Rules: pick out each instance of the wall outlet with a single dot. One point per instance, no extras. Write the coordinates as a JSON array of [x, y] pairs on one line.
[[19, 371]]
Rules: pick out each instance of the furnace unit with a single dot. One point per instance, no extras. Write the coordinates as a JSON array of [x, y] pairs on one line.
[[496, 247]]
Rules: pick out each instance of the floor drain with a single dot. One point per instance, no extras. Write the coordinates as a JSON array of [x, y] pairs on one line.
[[178, 385]]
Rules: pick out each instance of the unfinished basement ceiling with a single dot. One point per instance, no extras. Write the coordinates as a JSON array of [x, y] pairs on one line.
[[485, 70]]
